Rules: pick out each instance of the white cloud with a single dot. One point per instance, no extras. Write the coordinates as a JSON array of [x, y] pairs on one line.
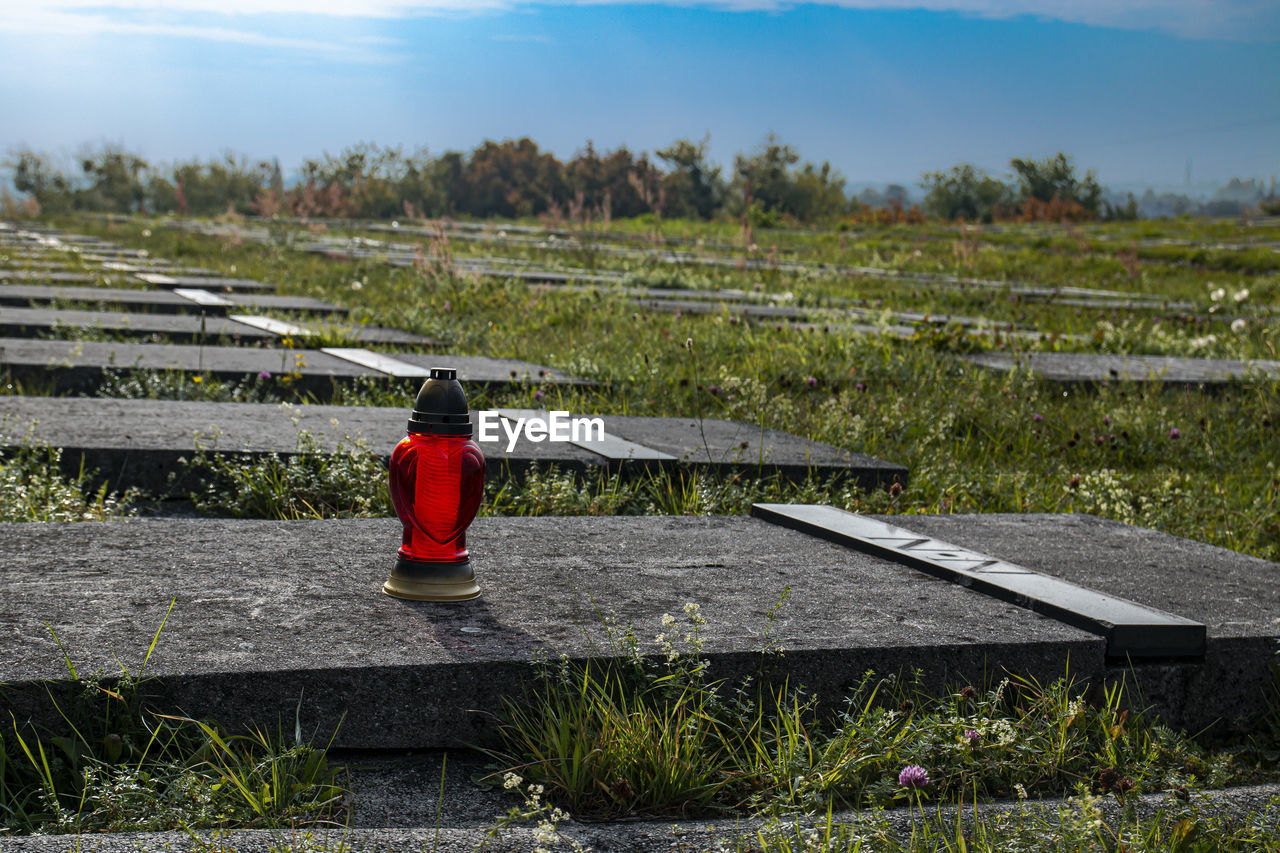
[[1216, 19]]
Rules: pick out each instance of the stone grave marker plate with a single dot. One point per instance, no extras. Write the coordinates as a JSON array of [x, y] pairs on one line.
[[78, 365], [1089, 368], [1132, 630]]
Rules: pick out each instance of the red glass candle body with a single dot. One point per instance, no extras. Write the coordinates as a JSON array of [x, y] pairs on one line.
[[437, 482]]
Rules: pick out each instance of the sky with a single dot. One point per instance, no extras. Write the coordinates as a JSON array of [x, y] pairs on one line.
[[883, 89]]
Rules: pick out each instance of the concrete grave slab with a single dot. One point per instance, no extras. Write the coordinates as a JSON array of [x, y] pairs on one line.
[[180, 300], [1132, 630], [186, 328], [183, 328], [1087, 368], [205, 282], [1235, 596], [746, 447], [77, 366], [271, 617], [137, 443], [47, 276], [513, 369]]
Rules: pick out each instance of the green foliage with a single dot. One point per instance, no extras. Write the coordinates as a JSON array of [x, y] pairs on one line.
[[112, 765], [1080, 825], [1055, 178], [347, 482], [965, 192], [767, 181], [33, 489], [693, 187], [34, 174], [630, 733]]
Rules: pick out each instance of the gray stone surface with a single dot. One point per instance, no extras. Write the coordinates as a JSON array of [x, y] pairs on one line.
[[722, 443], [77, 366], [1237, 597], [138, 442], [215, 283], [47, 276], [160, 301], [273, 616], [179, 328], [1132, 630], [1089, 368]]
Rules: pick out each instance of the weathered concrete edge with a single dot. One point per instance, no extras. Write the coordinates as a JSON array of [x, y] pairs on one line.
[[449, 705]]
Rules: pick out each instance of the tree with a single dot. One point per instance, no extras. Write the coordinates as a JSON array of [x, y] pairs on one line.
[[33, 174], [965, 192], [692, 186], [810, 193], [511, 178], [116, 180], [1054, 178]]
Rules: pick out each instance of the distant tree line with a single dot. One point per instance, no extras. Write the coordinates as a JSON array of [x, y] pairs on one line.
[[514, 178]]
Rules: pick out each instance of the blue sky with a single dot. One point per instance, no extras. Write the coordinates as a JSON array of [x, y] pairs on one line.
[[884, 89]]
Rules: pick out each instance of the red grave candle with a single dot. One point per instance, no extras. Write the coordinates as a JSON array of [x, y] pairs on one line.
[[437, 481]]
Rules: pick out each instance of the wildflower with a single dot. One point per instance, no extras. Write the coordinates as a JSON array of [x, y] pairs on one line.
[[811, 381], [714, 389], [146, 232], [1022, 792], [1239, 325], [1174, 432], [511, 780], [538, 395], [1241, 295], [446, 307], [913, 776], [858, 386], [1037, 417], [264, 374], [197, 379], [668, 620], [357, 285], [972, 736], [691, 608], [1106, 420], [1218, 295]]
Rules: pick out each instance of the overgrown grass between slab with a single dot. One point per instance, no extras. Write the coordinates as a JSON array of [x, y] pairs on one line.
[[111, 764]]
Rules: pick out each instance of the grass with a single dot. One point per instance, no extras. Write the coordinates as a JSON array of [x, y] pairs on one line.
[[635, 735], [34, 489], [110, 764], [630, 734], [971, 439]]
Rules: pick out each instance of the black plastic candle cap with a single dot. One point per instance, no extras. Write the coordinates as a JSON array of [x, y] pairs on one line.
[[441, 407]]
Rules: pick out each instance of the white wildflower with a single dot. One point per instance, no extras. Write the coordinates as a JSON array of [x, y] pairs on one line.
[[1239, 324]]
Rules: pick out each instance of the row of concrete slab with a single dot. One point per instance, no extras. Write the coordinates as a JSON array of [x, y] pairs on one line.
[[272, 619]]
